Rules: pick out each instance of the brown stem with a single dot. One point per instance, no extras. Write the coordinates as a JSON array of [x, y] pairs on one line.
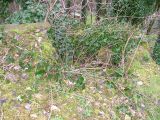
[[50, 7]]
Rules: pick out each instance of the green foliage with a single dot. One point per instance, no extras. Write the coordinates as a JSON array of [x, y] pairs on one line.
[[133, 10], [25, 55], [4, 9], [112, 35], [146, 57], [87, 107], [156, 52], [30, 13], [59, 34], [87, 41], [123, 109], [110, 85], [1, 34], [80, 83], [84, 11], [98, 9], [9, 59]]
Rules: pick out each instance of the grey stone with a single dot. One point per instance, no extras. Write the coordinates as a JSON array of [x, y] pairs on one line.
[[2, 101], [11, 77]]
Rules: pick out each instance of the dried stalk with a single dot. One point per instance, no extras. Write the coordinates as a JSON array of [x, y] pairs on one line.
[[123, 52], [50, 7]]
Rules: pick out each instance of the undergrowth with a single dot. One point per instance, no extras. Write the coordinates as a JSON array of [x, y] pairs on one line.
[[83, 43], [54, 81]]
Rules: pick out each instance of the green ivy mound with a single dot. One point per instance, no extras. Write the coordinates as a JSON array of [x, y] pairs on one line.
[[87, 41]]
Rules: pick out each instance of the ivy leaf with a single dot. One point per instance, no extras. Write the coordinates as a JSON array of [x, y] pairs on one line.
[[40, 73], [80, 83]]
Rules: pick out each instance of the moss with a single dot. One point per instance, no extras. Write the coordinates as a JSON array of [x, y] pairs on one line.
[[147, 71], [47, 49]]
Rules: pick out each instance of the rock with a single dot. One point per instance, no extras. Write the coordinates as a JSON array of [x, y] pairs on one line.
[[79, 109], [28, 88], [101, 113], [38, 30], [55, 108], [143, 106], [11, 77], [17, 106], [2, 101], [97, 104], [39, 39], [24, 76], [33, 116], [28, 106], [112, 114], [133, 112], [139, 83], [17, 37], [45, 113], [102, 82], [19, 98], [17, 68], [69, 84], [127, 117], [13, 93], [158, 102], [40, 97]]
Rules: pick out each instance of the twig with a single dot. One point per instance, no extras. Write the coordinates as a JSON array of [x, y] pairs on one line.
[[1, 117], [50, 7], [124, 50], [128, 68], [51, 93]]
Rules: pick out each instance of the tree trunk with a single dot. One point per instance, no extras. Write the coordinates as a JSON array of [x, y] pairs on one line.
[[98, 9], [84, 11], [157, 7], [68, 5], [108, 7]]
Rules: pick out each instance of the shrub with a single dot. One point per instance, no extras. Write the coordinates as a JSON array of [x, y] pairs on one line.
[[156, 52], [133, 10], [1, 34], [30, 13], [4, 10], [86, 41], [108, 34]]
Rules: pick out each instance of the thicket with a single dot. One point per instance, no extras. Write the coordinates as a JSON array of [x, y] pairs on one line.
[[31, 12], [87, 41], [133, 11]]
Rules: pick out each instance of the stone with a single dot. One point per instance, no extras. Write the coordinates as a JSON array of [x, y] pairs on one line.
[[11, 77], [28, 106], [158, 102], [127, 117], [2, 101], [33, 116], [139, 83], [24, 76], [55, 108]]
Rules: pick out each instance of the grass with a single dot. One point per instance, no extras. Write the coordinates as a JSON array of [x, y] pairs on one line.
[[148, 72]]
